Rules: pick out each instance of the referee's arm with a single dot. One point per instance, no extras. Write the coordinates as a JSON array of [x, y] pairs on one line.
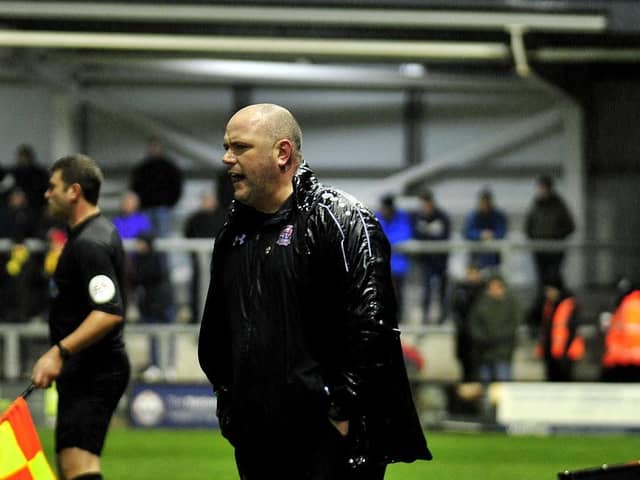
[[91, 330]]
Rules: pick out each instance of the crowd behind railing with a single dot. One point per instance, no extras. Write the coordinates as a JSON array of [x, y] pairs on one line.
[[33, 240], [482, 307]]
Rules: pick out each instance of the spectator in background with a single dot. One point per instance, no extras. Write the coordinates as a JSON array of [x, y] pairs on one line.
[[494, 320], [621, 357], [131, 222], [485, 223], [15, 275], [560, 345], [396, 225], [205, 222], [18, 264], [23, 288], [39, 286], [432, 223], [463, 297], [19, 222], [32, 179], [548, 218], [157, 181], [150, 279]]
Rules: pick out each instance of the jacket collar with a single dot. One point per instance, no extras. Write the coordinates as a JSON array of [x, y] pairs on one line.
[[250, 219], [305, 184]]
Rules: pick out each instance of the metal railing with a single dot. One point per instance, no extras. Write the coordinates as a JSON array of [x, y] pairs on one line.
[[12, 333]]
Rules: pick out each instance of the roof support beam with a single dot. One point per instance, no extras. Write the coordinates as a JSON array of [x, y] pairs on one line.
[[473, 154], [327, 16], [277, 47], [189, 146]]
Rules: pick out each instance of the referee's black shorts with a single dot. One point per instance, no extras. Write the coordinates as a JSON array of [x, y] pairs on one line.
[[88, 394]]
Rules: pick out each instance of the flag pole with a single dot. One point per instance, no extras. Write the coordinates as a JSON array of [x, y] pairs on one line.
[[28, 391]]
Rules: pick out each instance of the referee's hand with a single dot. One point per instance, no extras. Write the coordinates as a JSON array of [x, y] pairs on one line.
[[47, 368]]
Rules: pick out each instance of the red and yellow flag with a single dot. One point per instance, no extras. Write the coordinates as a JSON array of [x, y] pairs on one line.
[[21, 455]]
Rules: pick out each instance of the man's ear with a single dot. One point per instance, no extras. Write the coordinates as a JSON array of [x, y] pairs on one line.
[[284, 150], [76, 191]]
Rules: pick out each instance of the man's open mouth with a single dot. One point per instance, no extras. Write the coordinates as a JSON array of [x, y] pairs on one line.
[[236, 177]]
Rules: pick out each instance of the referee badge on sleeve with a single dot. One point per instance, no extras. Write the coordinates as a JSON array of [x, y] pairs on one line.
[[101, 289]]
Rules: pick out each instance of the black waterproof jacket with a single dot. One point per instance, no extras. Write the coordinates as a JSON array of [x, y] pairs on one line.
[[300, 324]]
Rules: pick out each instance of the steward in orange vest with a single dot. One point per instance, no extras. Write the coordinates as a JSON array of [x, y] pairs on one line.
[[621, 358], [561, 346]]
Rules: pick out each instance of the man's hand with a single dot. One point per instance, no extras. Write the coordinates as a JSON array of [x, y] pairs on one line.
[[47, 368], [341, 426]]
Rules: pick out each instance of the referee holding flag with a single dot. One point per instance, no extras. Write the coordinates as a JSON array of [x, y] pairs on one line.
[[86, 320]]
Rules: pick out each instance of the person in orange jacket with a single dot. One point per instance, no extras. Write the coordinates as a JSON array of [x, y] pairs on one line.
[[621, 357], [560, 345]]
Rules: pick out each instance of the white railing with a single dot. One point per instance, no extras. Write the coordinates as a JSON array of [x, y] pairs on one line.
[[12, 333]]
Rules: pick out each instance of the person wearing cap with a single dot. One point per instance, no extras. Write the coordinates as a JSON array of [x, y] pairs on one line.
[[484, 224], [431, 223], [548, 218]]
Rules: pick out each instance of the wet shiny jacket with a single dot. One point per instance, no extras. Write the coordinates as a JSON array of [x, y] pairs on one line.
[[300, 324]]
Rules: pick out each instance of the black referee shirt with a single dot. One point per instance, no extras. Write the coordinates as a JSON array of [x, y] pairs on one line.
[[89, 276]]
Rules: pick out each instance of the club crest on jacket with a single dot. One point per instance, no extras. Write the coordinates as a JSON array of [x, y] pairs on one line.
[[284, 238]]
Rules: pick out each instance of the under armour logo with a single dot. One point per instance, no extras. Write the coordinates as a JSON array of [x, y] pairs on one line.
[[239, 239]]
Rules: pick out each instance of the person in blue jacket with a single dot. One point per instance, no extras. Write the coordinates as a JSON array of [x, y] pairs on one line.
[[485, 223], [396, 224]]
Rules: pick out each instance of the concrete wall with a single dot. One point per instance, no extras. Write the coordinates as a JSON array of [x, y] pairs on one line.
[[24, 118]]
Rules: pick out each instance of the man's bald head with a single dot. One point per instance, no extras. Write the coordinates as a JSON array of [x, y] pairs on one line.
[[262, 153], [277, 123]]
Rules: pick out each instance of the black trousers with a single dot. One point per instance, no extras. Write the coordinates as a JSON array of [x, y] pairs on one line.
[[559, 370], [548, 266], [465, 356], [322, 457]]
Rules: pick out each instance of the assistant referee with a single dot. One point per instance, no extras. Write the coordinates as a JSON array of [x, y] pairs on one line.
[[86, 320]]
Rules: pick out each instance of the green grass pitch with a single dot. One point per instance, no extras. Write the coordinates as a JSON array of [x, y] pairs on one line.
[[200, 454]]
